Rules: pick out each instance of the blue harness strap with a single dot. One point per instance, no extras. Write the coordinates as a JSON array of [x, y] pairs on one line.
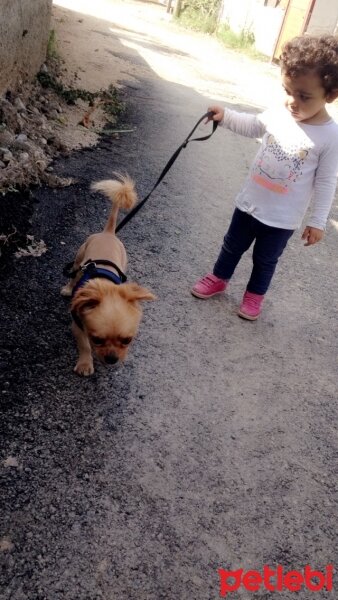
[[98, 273], [91, 271]]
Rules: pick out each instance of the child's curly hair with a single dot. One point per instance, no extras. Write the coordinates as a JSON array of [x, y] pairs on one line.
[[309, 53]]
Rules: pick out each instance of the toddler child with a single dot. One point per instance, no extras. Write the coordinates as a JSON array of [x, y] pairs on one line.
[[297, 161]]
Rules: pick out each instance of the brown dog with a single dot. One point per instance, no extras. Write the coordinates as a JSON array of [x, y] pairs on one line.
[[106, 311]]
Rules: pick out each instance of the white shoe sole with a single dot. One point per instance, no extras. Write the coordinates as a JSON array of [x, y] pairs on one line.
[[247, 317], [204, 296]]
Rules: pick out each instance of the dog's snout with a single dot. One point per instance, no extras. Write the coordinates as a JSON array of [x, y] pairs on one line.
[[111, 359]]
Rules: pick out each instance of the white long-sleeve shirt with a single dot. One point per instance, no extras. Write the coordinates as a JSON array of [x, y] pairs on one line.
[[296, 163]]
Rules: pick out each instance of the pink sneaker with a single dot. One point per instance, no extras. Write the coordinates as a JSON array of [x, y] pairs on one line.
[[208, 286], [251, 306]]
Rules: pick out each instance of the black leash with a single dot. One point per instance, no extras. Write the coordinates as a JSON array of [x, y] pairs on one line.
[[168, 165]]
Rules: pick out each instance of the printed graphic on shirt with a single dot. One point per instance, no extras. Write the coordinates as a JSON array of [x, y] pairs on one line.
[[277, 167]]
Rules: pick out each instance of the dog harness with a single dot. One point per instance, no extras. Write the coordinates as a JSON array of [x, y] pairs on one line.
[[91, 271]]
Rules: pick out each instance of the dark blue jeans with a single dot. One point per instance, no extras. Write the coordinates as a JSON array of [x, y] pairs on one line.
[[268, 247]]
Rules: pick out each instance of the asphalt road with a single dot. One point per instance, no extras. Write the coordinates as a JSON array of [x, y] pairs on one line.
[[215, 445]]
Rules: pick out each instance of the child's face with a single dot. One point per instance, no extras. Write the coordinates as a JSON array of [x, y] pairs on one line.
[[306, 98]]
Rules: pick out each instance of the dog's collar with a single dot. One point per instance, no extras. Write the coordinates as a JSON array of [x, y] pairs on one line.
[[91, 271]]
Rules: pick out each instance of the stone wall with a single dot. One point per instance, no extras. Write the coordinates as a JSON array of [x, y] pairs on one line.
[[24, 32]]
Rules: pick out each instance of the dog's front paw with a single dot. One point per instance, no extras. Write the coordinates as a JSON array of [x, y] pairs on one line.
[[84, 367], [67, 290]]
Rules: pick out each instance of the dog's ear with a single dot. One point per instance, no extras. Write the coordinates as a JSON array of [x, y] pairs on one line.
[[85, 299], [134, 292]]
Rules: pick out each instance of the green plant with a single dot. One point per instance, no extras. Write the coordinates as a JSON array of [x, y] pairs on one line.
[[206, 8], [112, 103], [201, 15], [51, 45], [197, 22], [108, 98], [243, 41]]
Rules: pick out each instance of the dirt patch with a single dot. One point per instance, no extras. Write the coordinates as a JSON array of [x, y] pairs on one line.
[[61, 110], [46, 119]]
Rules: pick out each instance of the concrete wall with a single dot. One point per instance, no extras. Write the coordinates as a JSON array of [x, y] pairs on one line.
[[324, 18], [238, 15], [24, 32], [267, 25], [263, 21]]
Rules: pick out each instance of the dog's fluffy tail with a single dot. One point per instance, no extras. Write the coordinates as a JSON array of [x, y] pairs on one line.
[[121, 192]]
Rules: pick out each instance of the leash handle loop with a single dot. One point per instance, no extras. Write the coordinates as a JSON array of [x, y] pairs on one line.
[[206, 137], [169, 164]]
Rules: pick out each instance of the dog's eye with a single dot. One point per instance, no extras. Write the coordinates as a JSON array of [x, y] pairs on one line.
[[125, 341], [97, 341]]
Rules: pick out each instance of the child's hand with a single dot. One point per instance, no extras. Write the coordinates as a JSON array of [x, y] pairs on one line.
[[312, 235], [218, 113]]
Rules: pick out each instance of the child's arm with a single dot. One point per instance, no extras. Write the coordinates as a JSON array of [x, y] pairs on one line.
[[324, 190], [238, 122]]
